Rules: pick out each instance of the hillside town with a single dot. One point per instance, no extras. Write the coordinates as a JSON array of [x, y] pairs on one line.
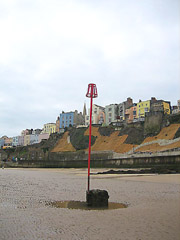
[[112, 114]]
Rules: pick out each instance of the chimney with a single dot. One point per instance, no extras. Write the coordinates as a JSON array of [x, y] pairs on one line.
[[130, 101], [153, 99]]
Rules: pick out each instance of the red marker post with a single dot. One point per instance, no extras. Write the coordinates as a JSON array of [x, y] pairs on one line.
[[91, 93]]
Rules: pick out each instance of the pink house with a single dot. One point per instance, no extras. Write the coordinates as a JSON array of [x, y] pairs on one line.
[[43, 136], [21, 140]]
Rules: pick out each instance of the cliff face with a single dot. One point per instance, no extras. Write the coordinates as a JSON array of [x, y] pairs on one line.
[[156, 134], [126, 140]]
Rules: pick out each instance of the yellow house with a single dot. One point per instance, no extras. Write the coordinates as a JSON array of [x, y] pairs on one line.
[[153, 105], [161, 106], [142, 108], [26, 140], [49, 128], [166, 107]]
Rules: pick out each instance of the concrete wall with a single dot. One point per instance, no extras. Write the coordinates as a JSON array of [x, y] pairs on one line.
[[100, 159], [152, 124]]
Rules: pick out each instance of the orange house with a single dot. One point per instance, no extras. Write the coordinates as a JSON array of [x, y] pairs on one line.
[[130, 113]]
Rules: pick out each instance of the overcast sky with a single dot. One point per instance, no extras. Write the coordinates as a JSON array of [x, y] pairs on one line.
[[50, 50]]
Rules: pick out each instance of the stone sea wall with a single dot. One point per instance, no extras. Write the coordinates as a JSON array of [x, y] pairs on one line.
[[99, 160]]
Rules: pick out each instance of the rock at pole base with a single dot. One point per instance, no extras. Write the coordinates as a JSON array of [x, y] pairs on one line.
[[97, 198]]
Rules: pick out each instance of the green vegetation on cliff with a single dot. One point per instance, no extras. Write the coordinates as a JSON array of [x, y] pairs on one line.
[[79, 140], [135, 135], [175, 118], [177, 135], [106, 131]]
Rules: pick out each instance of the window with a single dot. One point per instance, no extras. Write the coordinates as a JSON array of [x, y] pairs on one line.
[[146, 109], [109, 109]]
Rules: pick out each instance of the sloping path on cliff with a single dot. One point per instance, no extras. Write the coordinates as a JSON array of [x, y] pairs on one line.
[[166, 133], [162, 142]]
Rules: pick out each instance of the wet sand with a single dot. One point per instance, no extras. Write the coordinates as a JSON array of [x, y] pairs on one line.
[[153, 201]]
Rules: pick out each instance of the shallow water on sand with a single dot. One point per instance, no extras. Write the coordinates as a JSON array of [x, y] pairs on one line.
[[83, 205]]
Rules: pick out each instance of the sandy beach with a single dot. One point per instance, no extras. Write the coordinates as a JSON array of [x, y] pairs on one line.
[[153, 202]]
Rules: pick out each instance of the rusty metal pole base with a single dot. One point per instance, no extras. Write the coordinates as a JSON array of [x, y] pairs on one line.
[[97, 198]]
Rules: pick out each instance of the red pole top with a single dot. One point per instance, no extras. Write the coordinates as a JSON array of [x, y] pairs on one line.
[[92, 91]]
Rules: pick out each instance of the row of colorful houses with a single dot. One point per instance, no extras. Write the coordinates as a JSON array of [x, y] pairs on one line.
[[129, 112], [126, 111], [26, 138]]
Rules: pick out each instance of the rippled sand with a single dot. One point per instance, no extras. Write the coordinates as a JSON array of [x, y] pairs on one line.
[[153, 201]]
